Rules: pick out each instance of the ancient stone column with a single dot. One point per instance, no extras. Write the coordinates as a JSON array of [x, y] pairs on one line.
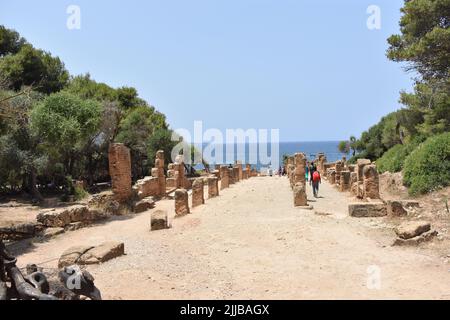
[[248, 167], [345, 183], [339, 167], [181, 202], [354, 183], [236, 174], [231, 175], [120, 171], [360, 163], [300, 198], [300, 171], [332, 176], [371, 182], [239, 166], [224, 177], [213, 187], [197, 193], [158, 172], [172, 176], [179, 161]]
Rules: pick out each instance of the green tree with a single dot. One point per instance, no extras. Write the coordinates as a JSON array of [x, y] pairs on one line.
[[10, 41], [344, 146], [66, 124], [32, 67], [424, 42]]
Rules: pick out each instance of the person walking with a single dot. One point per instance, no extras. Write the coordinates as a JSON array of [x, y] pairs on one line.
[[316, 180], [307, 171]]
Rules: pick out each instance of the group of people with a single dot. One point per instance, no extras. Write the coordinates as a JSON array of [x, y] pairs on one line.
[[312, 175]]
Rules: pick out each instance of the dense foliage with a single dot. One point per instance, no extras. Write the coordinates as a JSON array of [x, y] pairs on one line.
[[427, 168], [55, 127]]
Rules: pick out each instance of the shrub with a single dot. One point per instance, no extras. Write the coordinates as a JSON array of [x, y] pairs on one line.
[[427, 168], [393, 159]]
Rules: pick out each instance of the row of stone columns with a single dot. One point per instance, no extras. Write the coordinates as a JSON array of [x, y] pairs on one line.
[[361, 179], [227, 177]]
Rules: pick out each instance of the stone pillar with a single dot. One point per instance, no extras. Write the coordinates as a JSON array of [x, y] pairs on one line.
[[213, 187], [371, 182], [345, 183], [249, 170], [231, 175], [120, 171], [236, 174], [181, 202], [332, 176], [182, 181], [158, 172], [359, 168], [300, 171], [224, 177], [354, 183], [172, 176], [239, 166], [197, 193], [338, 169], [300, 195]]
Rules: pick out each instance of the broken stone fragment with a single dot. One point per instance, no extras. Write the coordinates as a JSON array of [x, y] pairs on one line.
[[366, 209], [51, 232], [159, 220], [144, 205], [83, 255], [395, 209], [411, 229], [424, 237]]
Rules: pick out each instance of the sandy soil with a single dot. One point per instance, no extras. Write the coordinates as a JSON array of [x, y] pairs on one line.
[[251, 243]]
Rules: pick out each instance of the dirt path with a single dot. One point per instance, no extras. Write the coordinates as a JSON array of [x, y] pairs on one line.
[[251, 243]]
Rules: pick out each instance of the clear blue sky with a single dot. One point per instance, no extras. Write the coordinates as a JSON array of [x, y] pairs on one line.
[[310, 68]]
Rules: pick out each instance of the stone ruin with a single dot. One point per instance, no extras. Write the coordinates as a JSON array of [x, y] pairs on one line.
[[198, 197], [213, 187], [120, 171], [299, 180], [371, 182], [224, 177], [176, 177], [181, 202]]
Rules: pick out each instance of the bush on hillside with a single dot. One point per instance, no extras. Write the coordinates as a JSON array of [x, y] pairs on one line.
[[393, 159], [427, 168]]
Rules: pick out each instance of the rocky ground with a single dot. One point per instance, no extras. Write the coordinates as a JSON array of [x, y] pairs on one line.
[[251, 243]]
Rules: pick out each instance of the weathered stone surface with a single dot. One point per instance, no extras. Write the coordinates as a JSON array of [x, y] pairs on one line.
[[213, 187], [198, 197], [300, 198], [332, 176], [345, 183], [181, 202], [300, 168], [61, 217], [395, 208], [231, 176], [51, 232], [84, 255], [338, 168], [224, 177], [120, 171], [105, 202], [102, 253], [72, 255], [411, 229], [149, 186], [365, 209], [371, 182], [20, 231], [424, 237], [144, 205], [159, 220], [360, 164], [74, 226]]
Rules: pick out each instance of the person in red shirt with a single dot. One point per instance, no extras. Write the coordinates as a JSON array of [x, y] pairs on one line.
[[316, 180]]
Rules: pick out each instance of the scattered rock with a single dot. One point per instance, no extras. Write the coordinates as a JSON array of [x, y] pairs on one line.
[[411, 229], [84, 255], [144, 205], [365, 209], [159, 220], [74, 226], [21, 231], [424, 237], [395, 208], [59, 218]]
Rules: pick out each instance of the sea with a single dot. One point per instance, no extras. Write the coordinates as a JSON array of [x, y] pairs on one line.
[[250, 153]]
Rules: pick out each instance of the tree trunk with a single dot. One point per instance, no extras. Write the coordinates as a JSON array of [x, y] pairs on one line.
[[32, 181]]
